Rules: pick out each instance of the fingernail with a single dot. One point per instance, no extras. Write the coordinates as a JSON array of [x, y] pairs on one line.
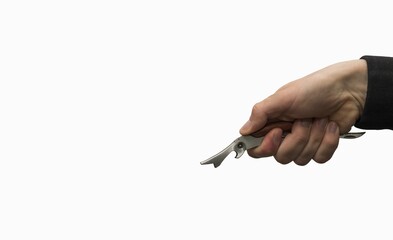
[[246, 126], [306, 122], [277, 139], [322, 123], [332, 127]]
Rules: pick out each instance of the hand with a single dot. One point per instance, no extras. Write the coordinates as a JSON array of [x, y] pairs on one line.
[[321, 106]]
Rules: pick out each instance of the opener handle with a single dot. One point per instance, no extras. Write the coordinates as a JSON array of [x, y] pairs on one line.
[[287, 126]]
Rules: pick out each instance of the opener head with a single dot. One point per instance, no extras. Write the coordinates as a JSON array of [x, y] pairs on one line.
[[240, 145]]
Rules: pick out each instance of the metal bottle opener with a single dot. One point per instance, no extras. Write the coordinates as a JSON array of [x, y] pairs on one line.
[[243, 143]]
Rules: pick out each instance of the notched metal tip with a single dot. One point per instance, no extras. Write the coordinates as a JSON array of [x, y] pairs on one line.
[[211, 161], [217, 159], [239, 146]]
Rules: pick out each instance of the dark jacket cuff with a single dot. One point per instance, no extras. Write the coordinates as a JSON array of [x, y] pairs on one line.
[[378, 108]]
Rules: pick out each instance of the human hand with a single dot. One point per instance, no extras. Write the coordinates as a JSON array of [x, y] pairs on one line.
[[321, 106]]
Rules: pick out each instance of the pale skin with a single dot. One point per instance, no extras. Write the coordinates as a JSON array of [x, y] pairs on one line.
[[321, 106]]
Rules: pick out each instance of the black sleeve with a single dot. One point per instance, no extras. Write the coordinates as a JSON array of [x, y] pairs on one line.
[[378, 108]]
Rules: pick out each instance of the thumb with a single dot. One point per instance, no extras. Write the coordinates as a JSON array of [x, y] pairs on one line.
[[268, 109]]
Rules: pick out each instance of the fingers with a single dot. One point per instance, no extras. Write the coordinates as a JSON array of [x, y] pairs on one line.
[[316, 141], [294, 143], [308, 140]]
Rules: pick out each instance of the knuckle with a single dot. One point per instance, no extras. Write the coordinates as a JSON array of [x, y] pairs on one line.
[[252, 154], [326, 155], [315, 142], [255, 154], [256, 109], [260, 153], [322, 158], [301, 139], [301, 162], [328, 147], [282, 160]]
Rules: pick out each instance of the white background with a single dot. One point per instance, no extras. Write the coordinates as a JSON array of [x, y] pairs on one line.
[[107, 108]]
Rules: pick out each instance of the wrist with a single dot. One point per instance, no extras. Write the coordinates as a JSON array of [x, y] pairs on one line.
[[356, 82]]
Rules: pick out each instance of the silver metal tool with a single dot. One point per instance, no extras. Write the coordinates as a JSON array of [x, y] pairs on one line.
[[243, 143]]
